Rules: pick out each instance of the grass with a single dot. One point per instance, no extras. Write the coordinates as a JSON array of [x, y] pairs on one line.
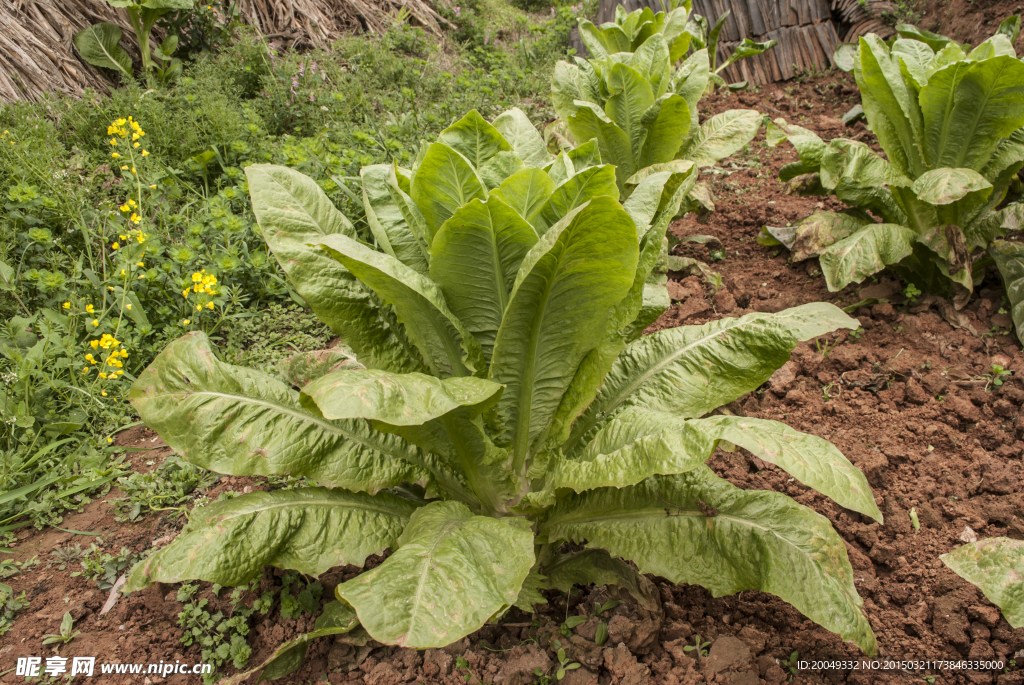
[[111, 251]]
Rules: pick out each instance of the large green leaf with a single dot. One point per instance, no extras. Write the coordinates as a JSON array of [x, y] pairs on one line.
[[651, 60], [526, 192], [655, 190], [564, 295], [452, 571], [294, 214], [667, 124], [407, 399], [813, 461], [581, 188], [945, 186], [446, 346], [855, 162], [571, 82], [242, 422], [747, 48], [631, 97], [697, 528], [591, 123], [307, 529], [996, 566], [890, 107], [634, 445], [606, 40], [720, 136], [691, 80], [525, 140], [809, 147], [387, 221], [690, 370], [444, 181], [916, 57], [475, 139], [968, 107], [1009, 258], [98, 45], [864, 253], [475, 258]]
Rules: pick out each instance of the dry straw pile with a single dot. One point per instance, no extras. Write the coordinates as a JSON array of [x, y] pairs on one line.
[[37, 55]]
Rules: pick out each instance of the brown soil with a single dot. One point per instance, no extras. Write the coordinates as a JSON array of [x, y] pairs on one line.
[[968, 21], [907, 400]]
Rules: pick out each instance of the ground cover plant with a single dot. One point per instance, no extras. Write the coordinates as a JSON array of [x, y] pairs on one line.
[[635, 98], [933, 209], [507, 404]]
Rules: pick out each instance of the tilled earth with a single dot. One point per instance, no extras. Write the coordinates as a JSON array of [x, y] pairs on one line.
[[910, 399]]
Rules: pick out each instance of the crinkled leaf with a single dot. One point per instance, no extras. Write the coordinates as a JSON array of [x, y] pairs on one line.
[[445, 345], [597, 567], [242, 422], [526, 192], [813, 461], [720, 136], [444, 181], [451, 572], [631, 98], [475, 139], [566, 292], [690, 370], [571, 82], [591, 123], [945, 186], [525, 140], [475, 259], [667, 124], [387, 221], [304, 367], [932, 40], [294, 214], [864, 253], [892, 111], [407, 399], [582, 188], [968, 107], [996, 566], [307, 529], [691, 80], [820, 230], [697, 528]]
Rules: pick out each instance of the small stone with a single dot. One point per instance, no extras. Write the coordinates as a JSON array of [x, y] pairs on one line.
[[724, 302], [727, 653], [783, 378], [915, 394]]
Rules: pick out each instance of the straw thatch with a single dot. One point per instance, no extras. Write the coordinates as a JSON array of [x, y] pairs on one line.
[[37, 55]]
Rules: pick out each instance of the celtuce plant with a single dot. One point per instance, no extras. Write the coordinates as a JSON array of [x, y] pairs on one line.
[[639, 107], [996, 566], [950, 123], [503, 403]]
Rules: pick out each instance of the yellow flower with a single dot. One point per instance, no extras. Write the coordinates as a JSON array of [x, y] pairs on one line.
[[103, 375], [153, 187], [113, 141], [136, 144], [103, 392], [135, 217], [115, 246], [119, 372], [94, 343], [128, 306], [122, 272], [124, 167], [145, 153], [186, 322], [197, 277], [199, 308], [141, 276], [184, 293], [89, 308], [109, 440], [66, 305], [89, 358], [133, 170], [124, 353], [96, 322], [131, 203], [115, 155], [209, 305], [110, 288], [139, 264]]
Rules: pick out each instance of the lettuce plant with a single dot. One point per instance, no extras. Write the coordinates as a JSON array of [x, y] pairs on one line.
[[996, 566], [641, 110], [950, 123], [98, 44], [494, 401]]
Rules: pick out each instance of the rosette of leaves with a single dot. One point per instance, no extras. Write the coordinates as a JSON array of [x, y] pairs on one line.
[[641, 109], [508, 404], [932, 210], [99, 44]]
